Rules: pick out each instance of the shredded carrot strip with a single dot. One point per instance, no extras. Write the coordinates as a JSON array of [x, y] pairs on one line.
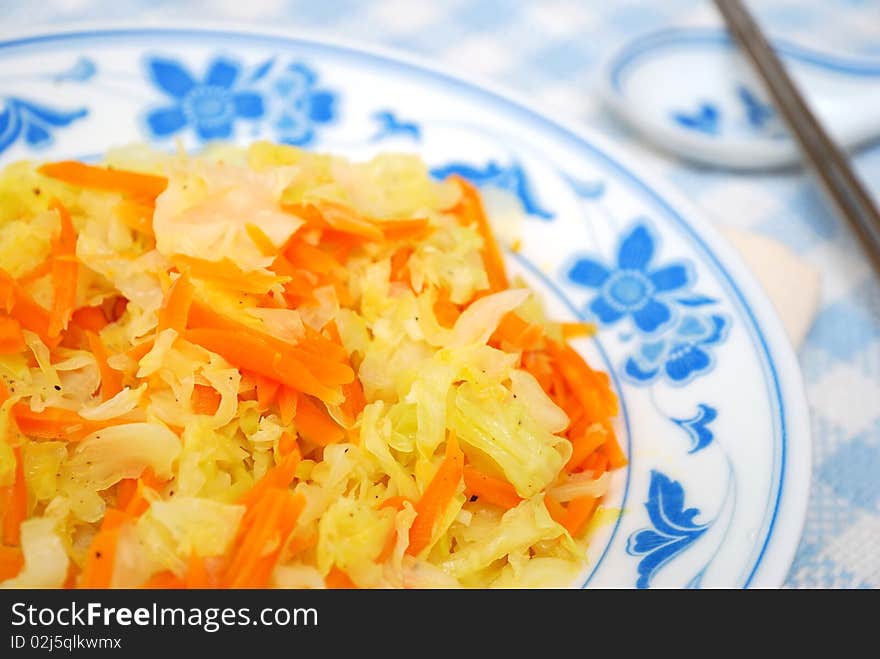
[[249, 352], [353, 391], [287, 444], [16, 504], [134, 184], [175, 307], [578, 513], [98, 569], [315, 424], [583, 446], [8, 288], [446, 311], [597, 463], [338, 580], [55, 423], [260, 239], [335, 216], [89, 318], [111, 379], [165, 580], [126, 489], [279, 476], [139, 351], [32, 316], [11, 338], [136, 216], [436, 498], [64, 272], [394, 502], [262, 535], [227, 274], [613, 451], [300, 543], [403, 229], [470, 210], [267, 390], [308, 257], [577, 330], [492, 490], [36, 273], [287, 402], [205, 399], [11, 562], [400, 264], [196, 573], [556, 509]]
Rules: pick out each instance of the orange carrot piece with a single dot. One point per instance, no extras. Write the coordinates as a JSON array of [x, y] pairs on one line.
[[300, 543], [583, 446], [470, 211], [205, 399], [400, 264], [287, 444], [100, 558], [126, 490], [315, 424], [597, 463], [32, 316], [578, 513], [577, 330], [613, 451], [260, 239], [8, 287], [556, 509], [133, 184], [336, 579], [266, 525], [55, 423], [138, 352], [196, 573], [136, 216], [111, 379], [492, 490], [165, 580], [403, 229], [36, 273], [436, 497], [287, 403], [267, 390], [308, 257], [175, 307], [11, 338], [353, 392], [89, 318], [446, 311], [279, 476], [11, 562], [16, 505], [226, 273], [335, 216], [250, 352], [394, 502], [64, 272]]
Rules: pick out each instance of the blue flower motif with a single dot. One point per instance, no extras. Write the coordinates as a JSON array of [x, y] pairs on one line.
[[697, 427], [633, 288], [390, 125], [512, 178], [680, 355], [32, 120], [211, 106], [673, 529], [304, 106]]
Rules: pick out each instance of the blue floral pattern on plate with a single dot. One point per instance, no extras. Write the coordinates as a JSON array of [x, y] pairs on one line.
[[210, 106], [34, 121], [303, 105], [632, 287], [673, 529], [697, 427], [512, 178]]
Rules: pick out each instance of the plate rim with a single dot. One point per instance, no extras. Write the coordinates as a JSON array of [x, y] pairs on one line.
[[776, 556]]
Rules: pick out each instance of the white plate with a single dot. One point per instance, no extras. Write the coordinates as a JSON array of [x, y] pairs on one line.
[[713, 414]]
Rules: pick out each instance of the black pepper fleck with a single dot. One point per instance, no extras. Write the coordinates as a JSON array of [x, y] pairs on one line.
[[57, 387], [473, 498], [37, 191]]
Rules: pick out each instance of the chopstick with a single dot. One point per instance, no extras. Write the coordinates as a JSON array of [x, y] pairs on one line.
[[830, 165]]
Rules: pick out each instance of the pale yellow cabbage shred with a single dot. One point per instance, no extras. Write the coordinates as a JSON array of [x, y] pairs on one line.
[[421, 382]]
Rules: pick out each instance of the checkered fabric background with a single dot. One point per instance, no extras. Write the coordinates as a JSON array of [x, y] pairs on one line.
[[548, 51]]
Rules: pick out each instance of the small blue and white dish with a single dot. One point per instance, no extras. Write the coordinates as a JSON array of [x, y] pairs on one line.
[[713, 415], [691, 92]]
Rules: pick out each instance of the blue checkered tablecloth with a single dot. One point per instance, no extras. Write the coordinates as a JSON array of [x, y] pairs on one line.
[[548, 51]]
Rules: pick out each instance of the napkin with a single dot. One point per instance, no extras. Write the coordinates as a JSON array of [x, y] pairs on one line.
[[791, 283]]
